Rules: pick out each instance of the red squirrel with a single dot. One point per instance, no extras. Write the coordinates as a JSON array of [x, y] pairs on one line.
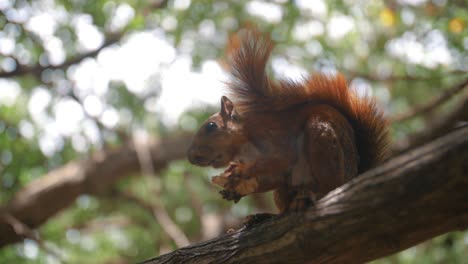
[[300, 139]]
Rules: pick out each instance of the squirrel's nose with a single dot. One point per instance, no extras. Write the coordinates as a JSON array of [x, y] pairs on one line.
[[194, 157], [197, 160]]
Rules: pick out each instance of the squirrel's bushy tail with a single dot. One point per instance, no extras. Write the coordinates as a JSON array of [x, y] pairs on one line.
[[247, 55], [369, 124], [253, 92]]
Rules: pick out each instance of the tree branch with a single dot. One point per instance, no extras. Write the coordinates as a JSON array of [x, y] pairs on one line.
[[110, 39], [405, 201], [23, 230], [433, 103], [436, 128], [44, 197], [38, 69], [351, 74]]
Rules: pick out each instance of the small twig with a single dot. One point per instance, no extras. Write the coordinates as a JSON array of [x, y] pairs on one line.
[[211, 224], [433, 103], [158, 211], [169, 226], [160, 214], [20, 228], [23, 230]]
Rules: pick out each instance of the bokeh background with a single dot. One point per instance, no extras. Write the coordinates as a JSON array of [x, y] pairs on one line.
[[84, 77]]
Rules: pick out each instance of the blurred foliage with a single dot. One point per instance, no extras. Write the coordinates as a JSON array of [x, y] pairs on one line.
[[404, 52]]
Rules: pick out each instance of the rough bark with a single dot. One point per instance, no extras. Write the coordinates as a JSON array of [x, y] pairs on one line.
[[44, 197], [407, 200]]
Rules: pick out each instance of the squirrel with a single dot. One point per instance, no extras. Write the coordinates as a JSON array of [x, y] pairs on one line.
[[300, 139]]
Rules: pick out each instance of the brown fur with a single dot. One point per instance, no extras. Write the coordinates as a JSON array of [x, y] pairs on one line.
[[254, 92]]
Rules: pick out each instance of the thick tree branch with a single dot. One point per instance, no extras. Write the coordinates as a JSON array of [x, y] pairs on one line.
[[56, 190], [409, 199]]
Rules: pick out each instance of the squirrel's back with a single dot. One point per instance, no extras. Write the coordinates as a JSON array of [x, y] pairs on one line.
[[254, 92]]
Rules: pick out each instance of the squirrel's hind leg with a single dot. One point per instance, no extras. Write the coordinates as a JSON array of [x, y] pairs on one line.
[[320, 167]]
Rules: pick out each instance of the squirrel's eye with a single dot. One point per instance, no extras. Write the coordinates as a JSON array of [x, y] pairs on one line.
[[211, 126]]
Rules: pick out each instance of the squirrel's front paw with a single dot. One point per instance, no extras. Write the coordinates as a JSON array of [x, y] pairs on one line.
[[235, 182], [230, 195]]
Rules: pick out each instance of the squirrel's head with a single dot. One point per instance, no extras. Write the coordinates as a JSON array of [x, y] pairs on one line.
[[219, 138]]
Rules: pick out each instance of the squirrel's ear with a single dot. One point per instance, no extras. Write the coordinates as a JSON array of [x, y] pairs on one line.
[[227, 107]]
